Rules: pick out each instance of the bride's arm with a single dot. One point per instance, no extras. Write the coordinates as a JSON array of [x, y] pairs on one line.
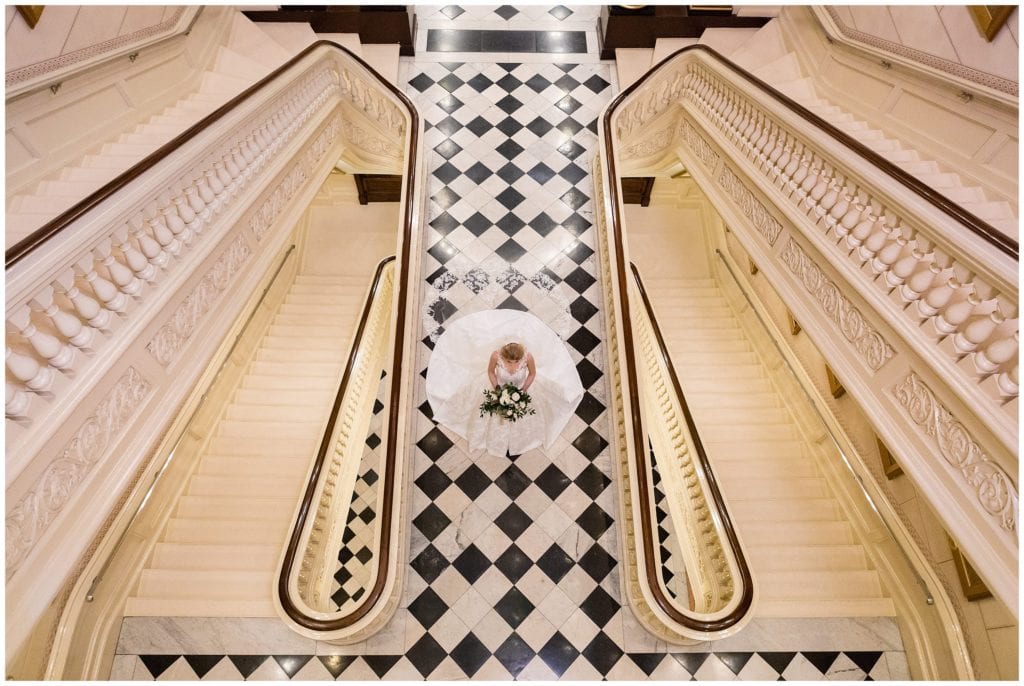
[[491, 364], [533, 371]]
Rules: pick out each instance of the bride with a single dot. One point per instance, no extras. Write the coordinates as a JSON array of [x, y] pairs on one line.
[[520, 350]]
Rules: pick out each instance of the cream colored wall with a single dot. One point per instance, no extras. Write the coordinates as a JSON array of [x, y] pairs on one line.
[[976, 137], [64, 29], [947, 32], [45, 130], [340, 230], [989, 626]]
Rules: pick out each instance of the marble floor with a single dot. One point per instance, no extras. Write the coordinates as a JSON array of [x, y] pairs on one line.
[[514, 569]]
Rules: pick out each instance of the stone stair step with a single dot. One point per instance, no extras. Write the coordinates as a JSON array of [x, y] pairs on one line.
[[781, 509], [214, 557], [205, 583], [821, 607], [203, 607], [797, 558], [225, 507], [207, 531]]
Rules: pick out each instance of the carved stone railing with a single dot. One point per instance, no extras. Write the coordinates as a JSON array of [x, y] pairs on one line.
[[305, 575], [110, 303], [914, 300], [71, 303], [714, 562], [647, 405]]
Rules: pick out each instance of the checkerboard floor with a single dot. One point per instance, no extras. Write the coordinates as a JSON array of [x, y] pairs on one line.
[[513, 561]]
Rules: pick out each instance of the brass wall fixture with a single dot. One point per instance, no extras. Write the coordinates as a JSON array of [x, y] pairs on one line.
[[889, 465], [835, 386], [990, 18], [973, 587], [32, 13]]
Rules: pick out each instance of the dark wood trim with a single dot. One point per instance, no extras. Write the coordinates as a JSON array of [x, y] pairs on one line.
[[650, 571], [745, 580], [40, 236], [326, 443], [973, 223], [373, 595], [373, 23]]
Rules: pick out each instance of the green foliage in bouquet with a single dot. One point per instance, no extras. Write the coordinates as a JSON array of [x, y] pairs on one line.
[[507, 402]]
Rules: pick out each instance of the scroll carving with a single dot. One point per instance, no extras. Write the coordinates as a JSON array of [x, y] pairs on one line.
[[655, 143], [175, 333], [994, 489], [700, 147], [766, 225], [30, 518], [851, 323], [370, 142]]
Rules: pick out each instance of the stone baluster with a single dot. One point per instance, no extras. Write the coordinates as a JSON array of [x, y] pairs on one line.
[[121, 275], [88, 309], [999, 350], [198, 204], [1009, 381], [977, 329], [962, 305], [140, 265], [17, 403], [224, 178], [165, 241], [107, 293], [66, 324], [57, 354], [207, 195], [36, 377], [179, 218]]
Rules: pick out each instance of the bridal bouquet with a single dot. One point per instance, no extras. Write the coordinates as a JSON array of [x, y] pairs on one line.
[[507, 402]]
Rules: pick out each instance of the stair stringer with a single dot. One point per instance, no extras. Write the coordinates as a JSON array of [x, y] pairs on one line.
[[923, 608]]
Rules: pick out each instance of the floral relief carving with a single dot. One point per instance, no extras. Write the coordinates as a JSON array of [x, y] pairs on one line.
[[851, 323], [263, 218], [30, 518], [994, 489], [656, 143], [361, 138], [766, 225], [165, 345], [700, 147]]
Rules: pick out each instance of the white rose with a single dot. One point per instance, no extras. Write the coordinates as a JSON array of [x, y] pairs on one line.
[[515, 396], [504, 398]]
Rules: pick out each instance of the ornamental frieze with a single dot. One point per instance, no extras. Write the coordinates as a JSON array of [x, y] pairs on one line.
[[700, 147], [766, 225], [655, 143], [872, 347], [30, 518], [173, 335], [993, 488]]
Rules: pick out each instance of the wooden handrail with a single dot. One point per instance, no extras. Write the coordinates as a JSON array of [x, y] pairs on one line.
[[636, 415], [394, 405], [292, 552], [746, 579], [47, 231], [969, 220]]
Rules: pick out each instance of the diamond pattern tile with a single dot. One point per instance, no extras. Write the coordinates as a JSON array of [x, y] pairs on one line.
[[514, 560]]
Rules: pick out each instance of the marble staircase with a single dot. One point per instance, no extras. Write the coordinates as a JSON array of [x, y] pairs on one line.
[[802, 549], [249, 52], [217, 555], [764, 54]]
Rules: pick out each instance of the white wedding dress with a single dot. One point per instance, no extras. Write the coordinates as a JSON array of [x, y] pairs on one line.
[[457, 378]]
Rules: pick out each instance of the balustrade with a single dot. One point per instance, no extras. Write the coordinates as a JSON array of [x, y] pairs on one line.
[[71, 301], [948, 297]]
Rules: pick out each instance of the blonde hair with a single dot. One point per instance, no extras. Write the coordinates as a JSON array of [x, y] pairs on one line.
[[513, 352]]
